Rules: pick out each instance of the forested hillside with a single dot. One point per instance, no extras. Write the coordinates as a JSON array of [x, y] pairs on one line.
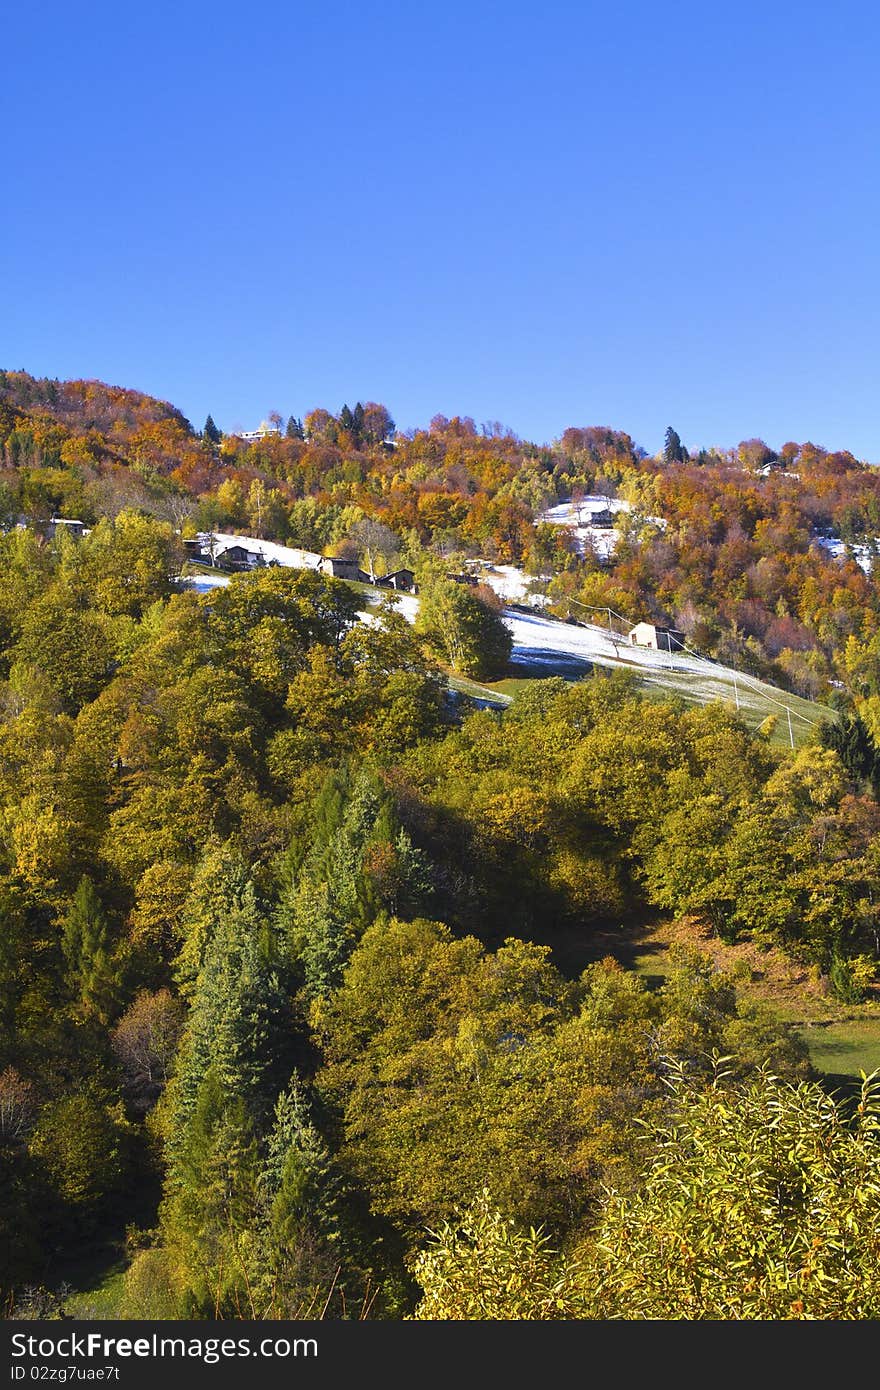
[[737, 564], [309, 997]]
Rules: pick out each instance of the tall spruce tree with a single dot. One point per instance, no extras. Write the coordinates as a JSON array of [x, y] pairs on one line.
[[236, 1056], [220, 884], [849, 738], [240, 1021], [209, 1214], [359, 864], [673, 449], [302, 1245], [86, 944]]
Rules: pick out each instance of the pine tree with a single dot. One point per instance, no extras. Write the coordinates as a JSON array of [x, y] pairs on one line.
[[240, 1022], [235, 1058], [211, 432], [361, 863], [209, 1215], [673, 450], [312, 1237], [86, 945], [220, 883], [851, 741], [300, 1195]]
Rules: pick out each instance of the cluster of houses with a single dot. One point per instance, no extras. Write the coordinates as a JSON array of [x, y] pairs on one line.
[[230, 552]]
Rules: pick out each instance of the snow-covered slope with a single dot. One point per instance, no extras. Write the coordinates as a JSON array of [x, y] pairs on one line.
[[203, 583], [508, 581]]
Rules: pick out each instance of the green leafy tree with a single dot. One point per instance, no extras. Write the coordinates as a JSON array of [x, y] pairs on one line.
[[83, 1145], [128, 563], [70, 643], [455, 1069], [484, 1266], [761, 1202], [463, 631]]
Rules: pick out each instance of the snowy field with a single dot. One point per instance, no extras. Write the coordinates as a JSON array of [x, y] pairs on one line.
[[203, 583], [579, 513], [545, 642]]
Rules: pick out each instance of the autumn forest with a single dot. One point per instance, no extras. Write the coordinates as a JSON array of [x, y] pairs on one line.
[[317, 994]]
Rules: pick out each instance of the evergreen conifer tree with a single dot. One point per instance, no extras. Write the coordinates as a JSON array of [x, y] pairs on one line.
[[673, 450], [360, 863], [239, 1018], [300, 1195], [209, 1214], [87, 949]]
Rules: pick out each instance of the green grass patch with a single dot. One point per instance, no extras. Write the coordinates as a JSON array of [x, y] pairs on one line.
[[476, 690], [92, 1284], [840, 1048], [756, 702], [754, 706], [846, 1048], [102, 1300], [199, 567]]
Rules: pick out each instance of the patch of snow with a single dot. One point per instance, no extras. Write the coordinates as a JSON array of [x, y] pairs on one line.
[[407, 604], [594, 644], [580, 516], [578, 513], [203, 583], [509, 582], [840, 550]]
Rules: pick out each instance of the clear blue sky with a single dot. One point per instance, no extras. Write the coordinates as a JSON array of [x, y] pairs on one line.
[[551, 214]]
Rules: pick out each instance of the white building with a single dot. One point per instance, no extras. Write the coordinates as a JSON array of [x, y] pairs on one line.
[[265, 431], [661, 639]]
